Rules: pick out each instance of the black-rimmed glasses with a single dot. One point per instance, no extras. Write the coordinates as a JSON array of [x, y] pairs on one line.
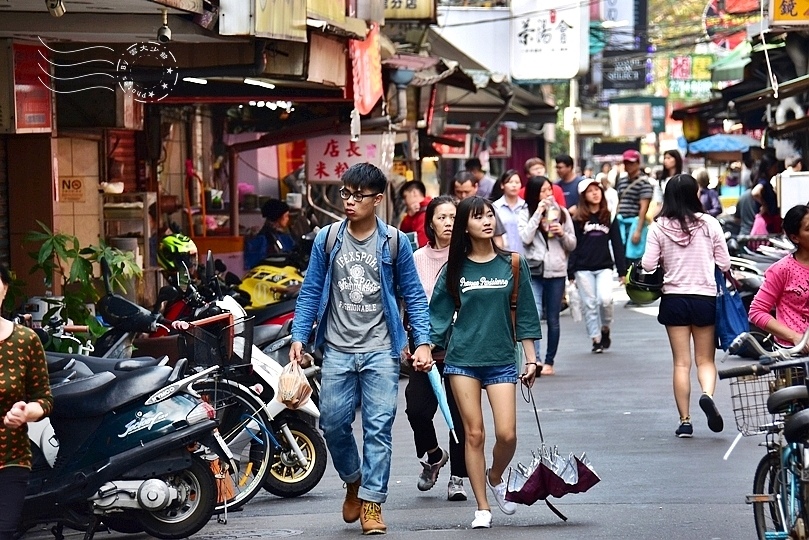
[[357, 196]]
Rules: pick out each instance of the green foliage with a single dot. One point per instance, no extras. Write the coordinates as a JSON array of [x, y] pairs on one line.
[[60, 255], [15, 294]]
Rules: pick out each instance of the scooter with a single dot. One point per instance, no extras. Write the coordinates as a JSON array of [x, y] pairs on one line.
[[128, 456]]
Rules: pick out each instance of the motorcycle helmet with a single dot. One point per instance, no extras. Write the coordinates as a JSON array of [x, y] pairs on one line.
[[644, 287], [176, 249]]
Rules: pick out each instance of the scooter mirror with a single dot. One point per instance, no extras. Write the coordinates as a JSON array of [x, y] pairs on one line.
[[210, 271]]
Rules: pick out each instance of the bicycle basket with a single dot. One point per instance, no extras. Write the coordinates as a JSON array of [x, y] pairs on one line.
[[749, 395], [221, 342]]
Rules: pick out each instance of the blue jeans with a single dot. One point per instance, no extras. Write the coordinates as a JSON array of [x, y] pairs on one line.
[[595, 289], [371, 379], [548, 293]]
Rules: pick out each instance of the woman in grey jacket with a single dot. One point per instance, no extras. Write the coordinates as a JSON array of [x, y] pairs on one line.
[[548, 243]]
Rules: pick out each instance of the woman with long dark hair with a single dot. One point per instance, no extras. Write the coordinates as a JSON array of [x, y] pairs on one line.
[[764, 194], [591, 264], [784, 285], [472, 301], [548, 241], [689, 244], [672, 166], [419, 396]]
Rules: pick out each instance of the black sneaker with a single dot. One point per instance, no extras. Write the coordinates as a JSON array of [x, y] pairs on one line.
[[605, 338], [685, 431], [597, 348], [715, 422]]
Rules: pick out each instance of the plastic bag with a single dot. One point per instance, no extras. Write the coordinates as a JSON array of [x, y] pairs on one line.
[[293, 387], [574, 301]]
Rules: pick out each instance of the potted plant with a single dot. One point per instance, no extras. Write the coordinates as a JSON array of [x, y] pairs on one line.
[[60, 256]]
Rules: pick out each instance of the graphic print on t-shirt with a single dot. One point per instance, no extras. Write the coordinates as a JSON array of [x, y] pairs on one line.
[[360, 282], [482, 283]]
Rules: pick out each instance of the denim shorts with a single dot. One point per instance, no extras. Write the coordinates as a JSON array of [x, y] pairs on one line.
[[687, 310], [487, 375]]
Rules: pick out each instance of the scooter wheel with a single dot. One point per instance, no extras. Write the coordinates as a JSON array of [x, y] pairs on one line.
[[192, 511], [287, 477]]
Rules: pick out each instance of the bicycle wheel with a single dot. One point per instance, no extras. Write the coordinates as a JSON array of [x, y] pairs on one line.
[[244, 425], [777, 512], [767, 513]]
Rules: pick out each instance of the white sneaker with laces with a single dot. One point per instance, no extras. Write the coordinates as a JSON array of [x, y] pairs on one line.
[[499, 492], [483, 519], [455, 489]]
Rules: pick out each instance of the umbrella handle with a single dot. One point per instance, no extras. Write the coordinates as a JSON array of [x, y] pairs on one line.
[[536, 414]]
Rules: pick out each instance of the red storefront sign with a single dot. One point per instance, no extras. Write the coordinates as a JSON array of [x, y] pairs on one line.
[[501, 145], [32, 99], [366, 64]]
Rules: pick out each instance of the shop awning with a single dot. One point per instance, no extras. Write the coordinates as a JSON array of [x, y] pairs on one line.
[[763, 97], [731, 67], [705, 109], [468, 105], [722, 142], [350, 27]]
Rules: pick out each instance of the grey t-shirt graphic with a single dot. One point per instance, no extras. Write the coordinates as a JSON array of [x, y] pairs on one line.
[[356, 321]]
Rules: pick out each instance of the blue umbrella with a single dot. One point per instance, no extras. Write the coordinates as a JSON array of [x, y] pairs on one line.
[[441, 395], [722, 142]]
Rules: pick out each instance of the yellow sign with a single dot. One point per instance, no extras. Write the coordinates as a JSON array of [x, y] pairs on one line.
[[789, 12], [71, 190], [410, 10], [281, 19]]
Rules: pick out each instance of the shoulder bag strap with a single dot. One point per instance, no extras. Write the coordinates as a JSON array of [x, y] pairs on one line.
[[515, 270]]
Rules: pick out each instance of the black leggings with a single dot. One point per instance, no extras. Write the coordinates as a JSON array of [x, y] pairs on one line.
[[421, 407], [15, 482]]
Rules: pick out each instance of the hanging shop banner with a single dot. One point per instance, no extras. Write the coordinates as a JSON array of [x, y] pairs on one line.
[[559, 29], [366, 64], [623, 70], [328, 157], [690, 76], [460, 151], [789, 12], [23, 92], [410, 10], [658, 108], [501, 145], [630, 119]]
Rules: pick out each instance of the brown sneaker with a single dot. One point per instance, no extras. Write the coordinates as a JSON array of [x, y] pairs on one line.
[[352, 504], [371, 518]]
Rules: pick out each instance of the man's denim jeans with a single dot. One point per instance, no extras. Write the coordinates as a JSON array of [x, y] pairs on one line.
[[372, 380]]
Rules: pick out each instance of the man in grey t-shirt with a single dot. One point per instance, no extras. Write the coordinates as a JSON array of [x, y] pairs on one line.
[[351, 290]]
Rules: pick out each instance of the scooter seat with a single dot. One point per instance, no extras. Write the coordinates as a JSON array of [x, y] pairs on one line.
[[265, 313], [103, 392], [56, 363], [98, 365]]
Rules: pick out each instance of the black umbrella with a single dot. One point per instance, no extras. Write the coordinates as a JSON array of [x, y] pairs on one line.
[[549, 474]]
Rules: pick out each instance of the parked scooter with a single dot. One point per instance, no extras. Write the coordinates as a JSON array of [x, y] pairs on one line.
[[123, 456]]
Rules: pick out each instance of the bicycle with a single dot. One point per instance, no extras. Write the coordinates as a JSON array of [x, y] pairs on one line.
[[771, 398]]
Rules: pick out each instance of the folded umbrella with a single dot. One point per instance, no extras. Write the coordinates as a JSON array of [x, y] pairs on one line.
[[441, 395], [549, 474]]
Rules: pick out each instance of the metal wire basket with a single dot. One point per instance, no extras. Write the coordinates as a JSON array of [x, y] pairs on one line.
[[749, 397], [227, 344]]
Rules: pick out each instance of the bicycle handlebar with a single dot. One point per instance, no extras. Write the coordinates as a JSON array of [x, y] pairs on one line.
[[76, 329], [768, 362], [778, 353]]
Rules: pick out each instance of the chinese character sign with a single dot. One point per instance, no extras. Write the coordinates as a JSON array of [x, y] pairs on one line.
[[689, 76], [551, 42], [328, 157], [789, 12], [367, 70], [501, 145]]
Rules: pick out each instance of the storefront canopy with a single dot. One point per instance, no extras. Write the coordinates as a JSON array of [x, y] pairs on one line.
[[722, 142], [731, 67]]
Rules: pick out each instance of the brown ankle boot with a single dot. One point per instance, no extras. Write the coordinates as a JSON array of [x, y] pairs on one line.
[[371, 518], [352, 504]]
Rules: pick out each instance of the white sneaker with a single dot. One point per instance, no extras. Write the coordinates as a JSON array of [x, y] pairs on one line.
[[483, 519], [455, 490], [499, 492]]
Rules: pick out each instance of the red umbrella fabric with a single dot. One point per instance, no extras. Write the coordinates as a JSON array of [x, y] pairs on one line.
[[549, 474]]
